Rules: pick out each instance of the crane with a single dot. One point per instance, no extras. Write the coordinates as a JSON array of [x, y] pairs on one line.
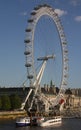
[[37, 81]]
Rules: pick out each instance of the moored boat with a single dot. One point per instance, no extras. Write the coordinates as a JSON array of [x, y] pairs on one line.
[[25, 121], [35, 120], [29, 121], [50, 121]]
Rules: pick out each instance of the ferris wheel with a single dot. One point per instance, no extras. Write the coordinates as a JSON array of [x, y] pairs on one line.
[[36, 15]]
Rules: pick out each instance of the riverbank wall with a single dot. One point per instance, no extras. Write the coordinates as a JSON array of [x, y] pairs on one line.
[[16, 114], [76, 113], [12, 114]]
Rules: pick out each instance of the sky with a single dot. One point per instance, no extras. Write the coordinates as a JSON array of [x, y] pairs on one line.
[[13, 22]]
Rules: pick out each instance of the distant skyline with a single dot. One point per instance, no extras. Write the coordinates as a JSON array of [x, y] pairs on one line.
[[13, 22]]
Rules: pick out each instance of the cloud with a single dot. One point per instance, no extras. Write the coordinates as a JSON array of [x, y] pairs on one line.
[[75, 2], [23, 13], [60, 12], [78, 18]]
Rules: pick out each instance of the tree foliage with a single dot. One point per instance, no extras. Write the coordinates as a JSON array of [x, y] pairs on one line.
[[6, 105], [51, 83], [68, 91], [10, 102], [15, 101], [0, 103]]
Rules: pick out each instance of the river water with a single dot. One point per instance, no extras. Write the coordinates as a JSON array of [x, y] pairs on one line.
[[67, 124]]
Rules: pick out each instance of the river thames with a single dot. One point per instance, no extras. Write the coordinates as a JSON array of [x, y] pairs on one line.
[[67, 124]]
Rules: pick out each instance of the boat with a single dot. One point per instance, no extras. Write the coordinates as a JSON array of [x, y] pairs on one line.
[[24, 121], [50, 121], [29, 121], [35, 120]]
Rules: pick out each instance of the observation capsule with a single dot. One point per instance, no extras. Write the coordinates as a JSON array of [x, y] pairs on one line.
[[27, 52], [30, 20], [28, 30], [30, 76], [27, 41], [33, 13], [28, 65]]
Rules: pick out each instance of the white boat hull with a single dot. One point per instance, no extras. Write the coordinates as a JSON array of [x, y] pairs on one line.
[[51, 122]]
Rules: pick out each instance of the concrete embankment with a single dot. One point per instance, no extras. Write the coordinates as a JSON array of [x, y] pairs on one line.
[[12, 114], [76, 113]]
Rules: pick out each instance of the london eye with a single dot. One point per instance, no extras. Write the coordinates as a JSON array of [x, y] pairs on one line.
[[34, 79]]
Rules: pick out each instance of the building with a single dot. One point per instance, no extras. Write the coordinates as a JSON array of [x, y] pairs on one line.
[[72, 100]]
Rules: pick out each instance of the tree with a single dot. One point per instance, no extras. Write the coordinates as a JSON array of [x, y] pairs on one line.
[[57, 90], [0, 103], [51, 83], [15, 101], [68, 91], [6, 105]]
